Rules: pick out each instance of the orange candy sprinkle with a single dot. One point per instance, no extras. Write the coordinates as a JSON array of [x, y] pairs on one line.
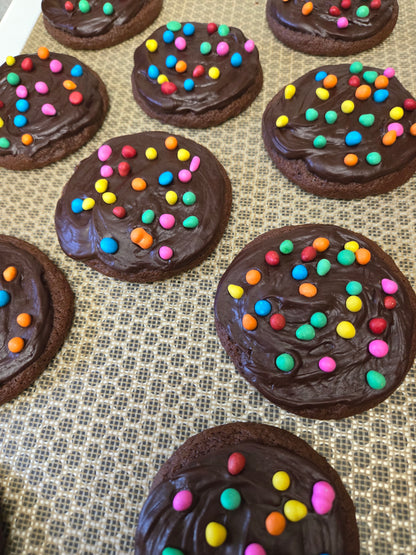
[[16, 344], [43, 53], [381, 82], [138, 184], [363, 92], [351, 160], [363, 256], [308, 290], [141, 238], [389, 138], [253, 277], [24, 320], [320, 244], [10, 273], [307, 8], [171, 143], [249, 322], [181, 66], [275, 523], [27, 139], [413, 130], [330, 81], [69, 85]]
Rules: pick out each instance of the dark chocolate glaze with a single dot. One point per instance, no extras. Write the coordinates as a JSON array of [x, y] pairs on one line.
[[306, 389], [69, 120], [161, 526], [320, 23], [295, 140], [29, 294], [93, 23], [80, 234], [208, 94]]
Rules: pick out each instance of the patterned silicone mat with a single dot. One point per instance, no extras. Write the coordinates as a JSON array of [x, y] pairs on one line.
[[142, 368]]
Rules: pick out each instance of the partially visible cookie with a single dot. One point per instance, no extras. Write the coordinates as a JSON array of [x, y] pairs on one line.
[[36, 310], [343, 131], [196, 75], [50, 105], [250, 489], [144, 207], [337, 28]]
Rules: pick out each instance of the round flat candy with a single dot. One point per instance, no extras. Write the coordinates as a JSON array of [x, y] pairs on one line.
[[289, 498], [332, 28], [341, 335], [196, 80], [144, 207], [365, 151], [94, 24]]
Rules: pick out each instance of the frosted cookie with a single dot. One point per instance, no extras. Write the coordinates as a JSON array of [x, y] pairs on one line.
[[337, 28], [343, 131], [50, 105], [319, 319], [195, 74], [247, 488], [144, 207], [93, 24], [36, 309]]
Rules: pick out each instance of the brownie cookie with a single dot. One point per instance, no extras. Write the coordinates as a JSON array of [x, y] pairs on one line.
[[93, 24], [196, 75], [338, 28], [36, 309], [247, 489], [343, 131], [50, 105], [319, 319], [144, 207]]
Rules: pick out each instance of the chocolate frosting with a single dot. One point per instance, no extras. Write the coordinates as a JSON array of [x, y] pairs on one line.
[[307, 389], [28, 294], [70, 119], [295, 140], [208, 93], [80, 234], [321, 23], [161, 526], [93, 23]]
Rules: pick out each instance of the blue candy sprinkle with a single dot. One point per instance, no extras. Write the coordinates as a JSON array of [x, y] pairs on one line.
[[380, 95], [22, 105], [76, 205], [168, 37], [20, 121], [77, 71], [165, 178], [236, 59], [4, 297], [299, 272], [171, 61], [353, 138], [320, 75], [109, 245], [188, 29], [153, 72], [189, 85], [262, 308]]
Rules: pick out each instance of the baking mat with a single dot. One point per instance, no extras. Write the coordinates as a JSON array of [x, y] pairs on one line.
[[142, 368]]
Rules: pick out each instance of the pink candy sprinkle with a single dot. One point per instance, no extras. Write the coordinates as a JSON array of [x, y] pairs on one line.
[[254, 549], [389, 72], [48, 110], [106, 171], [342, 23], [183, 499], [249, 45], [104, 152], [21, 91], [378, 348], [180, 43], [194, 165], [222, 48], [327, 364], [167, 221], [184, 176], [398, 127], [165, 253], [41, 87], [323, 496], [389, 286], [55, 66]]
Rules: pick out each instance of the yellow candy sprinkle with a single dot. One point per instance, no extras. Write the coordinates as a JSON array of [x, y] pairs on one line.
[[295, 510], [235, 291], [346, 330], [322, 94], [351, 246], [151, 153], [215, 534], [214, 72], [1, 123], [88, 203], [281, 480], [354, 303], [101, 185], [183, 155], [10, 61], [282, 121], [396, 113], [109, 198], [290, 91], [151, 45], [171, 197], [347, 106], [162, 79]]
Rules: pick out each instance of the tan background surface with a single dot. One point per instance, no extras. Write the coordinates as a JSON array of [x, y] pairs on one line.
[[142, 368]]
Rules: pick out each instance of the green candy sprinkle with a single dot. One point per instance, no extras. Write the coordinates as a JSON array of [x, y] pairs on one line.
[[13, 79], [346, 257], [4, 143], [148, 216], [108, 8], [189, 198], [323, 267], [370, 76], [205, 48], [285, 362], [191, 222], [367, 120], [172, 551], [318, 320], [305, 332], [319, 142], [331, 117], [174, 26], [375, 380], [230, 499], [286, 247], [356, 67], [223, 30], [362, 11], [84, 6], [354, 288], [373, 158], [311, 114]]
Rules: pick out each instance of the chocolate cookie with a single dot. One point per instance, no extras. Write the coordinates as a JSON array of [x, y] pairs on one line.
[[343, 131], [249, 489], [50, 105], [319, 319], [196, 75], [36, 309], [93, 24], [338, 28], [144, 207]]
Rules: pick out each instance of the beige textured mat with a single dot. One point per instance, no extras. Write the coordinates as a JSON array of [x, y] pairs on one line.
[[142, 368]]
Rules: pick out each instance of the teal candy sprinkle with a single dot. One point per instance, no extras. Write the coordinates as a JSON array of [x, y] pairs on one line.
[[354, 288], [346, 257], [323, 267], [205, 48], [356, 67], [367, 120], [370, 76], [84, 6], [373, 158], [319, 142], [285, 362], [174, 26], [223, 30], [191, 222], [375, 380], [318, 320], [230, 499], [331, 117], [4, 143], [13, 79], [172, 551], [189, 198], [311, 114], [305, 332], [363, 11], [148, 216], [108, 8]]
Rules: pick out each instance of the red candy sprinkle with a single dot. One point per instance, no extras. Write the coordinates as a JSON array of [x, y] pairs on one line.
[[128, 151], [1, 104], [277, 321], [124, 169], [375, 4], [346, 4], [236, 463], [75, 98], [409, 104], [377, 325], [69, 6], [168, 87], [354, 81], [390, 303], [198, 71], [119, 211], [333, 10], [27, 64], [212, 28], [272, 258], [308, 254]]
